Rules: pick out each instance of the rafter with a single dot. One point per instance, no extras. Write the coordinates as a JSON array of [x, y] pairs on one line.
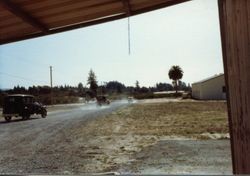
[[70, 26], [14, 9], [127, 7]]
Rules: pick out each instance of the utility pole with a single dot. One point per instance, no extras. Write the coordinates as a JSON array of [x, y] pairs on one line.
[[51, 85]]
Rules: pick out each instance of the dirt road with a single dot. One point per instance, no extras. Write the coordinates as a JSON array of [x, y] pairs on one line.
[[121, 138], [37, 145]]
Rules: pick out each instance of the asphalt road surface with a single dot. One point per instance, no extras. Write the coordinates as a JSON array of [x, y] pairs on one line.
[[23, 143]]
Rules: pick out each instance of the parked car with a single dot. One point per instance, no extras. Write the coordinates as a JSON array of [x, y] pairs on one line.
[[22, 105], [102, 100]]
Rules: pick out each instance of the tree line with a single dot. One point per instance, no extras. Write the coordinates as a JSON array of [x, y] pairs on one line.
[[64, 93]]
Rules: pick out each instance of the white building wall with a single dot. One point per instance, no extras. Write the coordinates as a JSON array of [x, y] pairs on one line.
[[196, 91], [210, 90], [213, 89]]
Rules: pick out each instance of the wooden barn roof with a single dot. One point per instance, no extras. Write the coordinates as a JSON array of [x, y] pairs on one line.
[[24, 19]]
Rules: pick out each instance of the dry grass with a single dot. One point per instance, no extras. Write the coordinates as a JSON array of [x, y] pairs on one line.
[[188, 119], [112, 141]]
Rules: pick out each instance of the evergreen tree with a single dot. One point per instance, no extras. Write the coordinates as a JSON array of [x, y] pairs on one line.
[[92, 82]]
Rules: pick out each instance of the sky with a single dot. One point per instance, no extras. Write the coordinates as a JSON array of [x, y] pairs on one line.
[[187, 35]]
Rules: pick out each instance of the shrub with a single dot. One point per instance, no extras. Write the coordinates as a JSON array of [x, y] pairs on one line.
[[152, 95]]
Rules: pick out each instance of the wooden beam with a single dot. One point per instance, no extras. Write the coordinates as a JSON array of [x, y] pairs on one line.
[[14, 9], [94, 22], [158, 6], [223, 39], [127, 7], [63, 29], [235, 34]]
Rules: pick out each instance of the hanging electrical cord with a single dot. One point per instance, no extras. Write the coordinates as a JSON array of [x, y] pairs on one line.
[[129, 47]]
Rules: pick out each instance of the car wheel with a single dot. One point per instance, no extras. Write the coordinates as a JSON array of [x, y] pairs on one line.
[[26, 116], [7, 118], [44, 114]]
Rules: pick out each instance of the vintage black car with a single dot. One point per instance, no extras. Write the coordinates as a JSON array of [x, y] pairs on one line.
[[102, 100], [22, 105]]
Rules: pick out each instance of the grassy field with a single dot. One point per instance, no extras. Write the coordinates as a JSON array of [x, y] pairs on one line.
[[121, 139], [187, 119]]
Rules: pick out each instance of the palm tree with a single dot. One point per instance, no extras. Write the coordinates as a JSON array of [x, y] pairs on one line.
[[175, 73]]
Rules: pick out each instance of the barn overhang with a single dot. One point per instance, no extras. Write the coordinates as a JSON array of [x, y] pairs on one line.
[[25, 19]]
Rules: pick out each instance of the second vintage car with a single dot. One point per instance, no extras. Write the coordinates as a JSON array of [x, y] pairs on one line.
[[102, 100]]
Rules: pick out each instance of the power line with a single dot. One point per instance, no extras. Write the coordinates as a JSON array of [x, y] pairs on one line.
[[25, 60], [61, 75], [37, 70], [19, 77], [35, 62]]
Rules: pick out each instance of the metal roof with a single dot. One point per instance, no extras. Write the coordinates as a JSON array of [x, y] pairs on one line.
[[208, 79], [24, 19]]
